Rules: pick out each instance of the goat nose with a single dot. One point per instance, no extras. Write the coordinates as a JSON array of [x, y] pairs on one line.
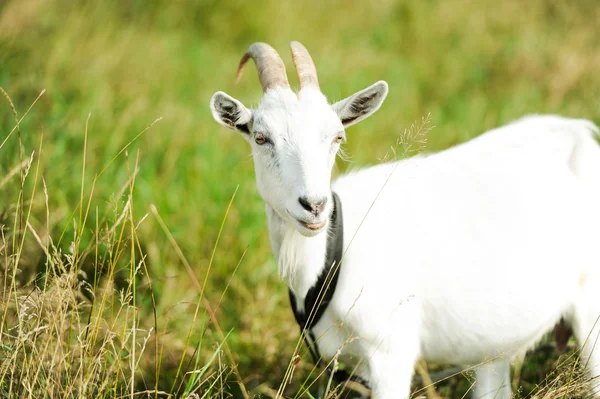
[[313, 205]]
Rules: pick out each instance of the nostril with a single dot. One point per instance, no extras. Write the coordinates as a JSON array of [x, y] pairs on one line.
[[305, 203], [314, 205], [319, 205]]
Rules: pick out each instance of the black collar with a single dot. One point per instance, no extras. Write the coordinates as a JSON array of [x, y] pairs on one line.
[[319, 295]]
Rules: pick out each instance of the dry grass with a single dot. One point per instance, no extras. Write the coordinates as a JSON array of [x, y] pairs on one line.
[[67, 334]]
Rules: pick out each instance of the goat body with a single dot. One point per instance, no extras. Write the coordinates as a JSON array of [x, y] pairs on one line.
[[467, 256]]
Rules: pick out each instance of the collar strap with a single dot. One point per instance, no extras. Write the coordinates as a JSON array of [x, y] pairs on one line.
[[319, 295]]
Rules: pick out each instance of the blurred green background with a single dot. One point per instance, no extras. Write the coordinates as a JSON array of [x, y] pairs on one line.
[[472, 65]]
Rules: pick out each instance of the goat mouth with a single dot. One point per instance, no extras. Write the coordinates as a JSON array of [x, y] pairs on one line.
[[312, 226]]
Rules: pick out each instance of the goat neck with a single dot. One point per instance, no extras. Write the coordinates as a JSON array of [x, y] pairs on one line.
[[300, 259]]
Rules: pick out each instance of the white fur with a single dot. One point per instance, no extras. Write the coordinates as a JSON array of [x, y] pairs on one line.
[[467, 256]]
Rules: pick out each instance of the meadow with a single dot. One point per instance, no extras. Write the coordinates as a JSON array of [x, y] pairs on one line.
[[134, 253]]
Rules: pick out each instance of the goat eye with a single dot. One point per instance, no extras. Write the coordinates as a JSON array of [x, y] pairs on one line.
[[260, 139], [339, 138]]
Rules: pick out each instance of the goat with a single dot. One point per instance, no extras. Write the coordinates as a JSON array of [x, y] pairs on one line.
[[467, 256]]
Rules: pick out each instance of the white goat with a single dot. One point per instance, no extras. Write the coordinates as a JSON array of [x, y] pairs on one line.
[[467, 256]]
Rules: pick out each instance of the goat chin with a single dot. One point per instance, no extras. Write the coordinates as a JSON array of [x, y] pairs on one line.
[[467, 256]]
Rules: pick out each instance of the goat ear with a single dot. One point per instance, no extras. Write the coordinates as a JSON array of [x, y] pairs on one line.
[[362, 104], [230, 113]]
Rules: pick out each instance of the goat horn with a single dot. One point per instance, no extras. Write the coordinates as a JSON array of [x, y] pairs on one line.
[[307, 73], [271, 69]]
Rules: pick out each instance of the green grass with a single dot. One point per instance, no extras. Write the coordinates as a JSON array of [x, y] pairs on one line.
[[118, 66]]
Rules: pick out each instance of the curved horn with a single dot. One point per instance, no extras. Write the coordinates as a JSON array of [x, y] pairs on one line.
[[307, 73], [271, 70]]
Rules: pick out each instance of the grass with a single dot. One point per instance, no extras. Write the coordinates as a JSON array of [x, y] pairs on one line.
[[109, 229]]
